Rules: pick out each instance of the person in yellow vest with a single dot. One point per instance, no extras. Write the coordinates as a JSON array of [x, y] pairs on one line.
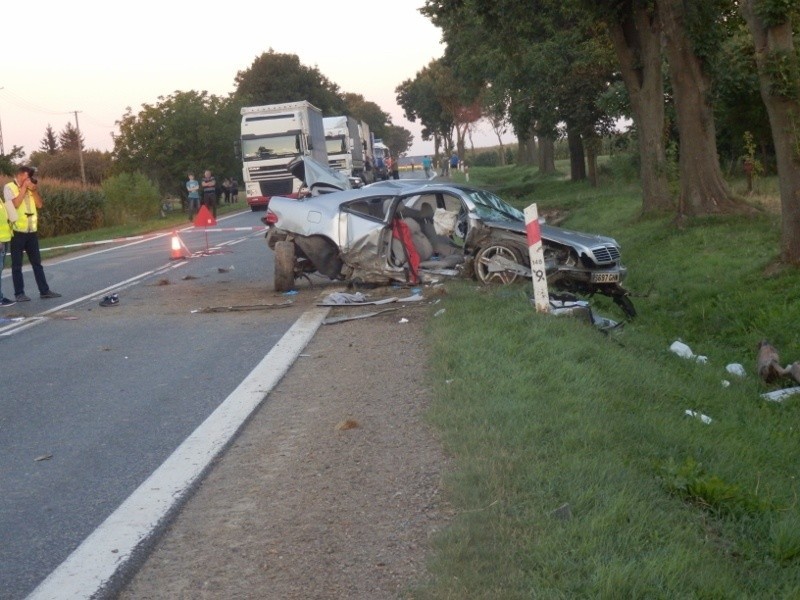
[[23, 191], [8, 214]]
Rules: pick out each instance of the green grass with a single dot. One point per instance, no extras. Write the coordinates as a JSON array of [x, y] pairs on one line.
[[543, 411]]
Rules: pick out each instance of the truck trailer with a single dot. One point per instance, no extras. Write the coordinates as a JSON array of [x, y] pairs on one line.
[[271, 137]]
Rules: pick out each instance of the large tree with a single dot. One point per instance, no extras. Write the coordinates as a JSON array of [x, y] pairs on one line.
[[770, 22], [70, 139], [274, 78], [187, 131], [49, 143], [369, 112], [635, 31]]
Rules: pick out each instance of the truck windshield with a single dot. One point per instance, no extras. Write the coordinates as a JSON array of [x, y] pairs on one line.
[[335, 144], [270, 147]]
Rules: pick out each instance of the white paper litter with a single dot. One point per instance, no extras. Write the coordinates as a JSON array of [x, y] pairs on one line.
[[736, 369], [704, 418], [403, 320]]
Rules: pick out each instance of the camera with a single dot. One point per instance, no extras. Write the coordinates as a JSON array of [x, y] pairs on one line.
[[32, 177]]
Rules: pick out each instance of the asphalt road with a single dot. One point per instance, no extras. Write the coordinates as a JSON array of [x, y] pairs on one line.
[[93, 399]]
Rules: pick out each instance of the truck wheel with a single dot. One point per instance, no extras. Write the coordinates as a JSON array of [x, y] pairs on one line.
[[284, 266]]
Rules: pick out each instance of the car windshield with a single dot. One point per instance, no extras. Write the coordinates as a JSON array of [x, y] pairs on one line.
[[492, 208], [270, 147]]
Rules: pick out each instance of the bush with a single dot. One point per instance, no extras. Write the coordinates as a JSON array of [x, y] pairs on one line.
[[68, 207], [486, 159], [130, 198]]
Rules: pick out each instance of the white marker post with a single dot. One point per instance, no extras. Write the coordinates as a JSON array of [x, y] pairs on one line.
[[538, 274]]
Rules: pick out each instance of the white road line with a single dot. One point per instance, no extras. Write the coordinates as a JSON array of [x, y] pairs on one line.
[[40, 317], [90, 568]]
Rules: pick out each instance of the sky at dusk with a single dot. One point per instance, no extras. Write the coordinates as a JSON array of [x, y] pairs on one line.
[[101, 58]]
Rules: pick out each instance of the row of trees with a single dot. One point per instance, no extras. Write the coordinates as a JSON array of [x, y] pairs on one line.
[[676, 68], [193, 131]]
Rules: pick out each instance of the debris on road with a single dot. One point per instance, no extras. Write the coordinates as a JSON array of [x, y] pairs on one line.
[[240, 308], [685, 351], [781, 395], [43, 457], [736, 369], [334, 320]]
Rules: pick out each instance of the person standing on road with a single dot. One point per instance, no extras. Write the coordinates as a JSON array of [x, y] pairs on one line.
[[23, 192], [8, 214], [193, 187], [395, 168], [426, 165], [209, 185]]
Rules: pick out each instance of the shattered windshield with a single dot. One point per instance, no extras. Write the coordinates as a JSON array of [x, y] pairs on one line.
[[270, 147], [492, 208]]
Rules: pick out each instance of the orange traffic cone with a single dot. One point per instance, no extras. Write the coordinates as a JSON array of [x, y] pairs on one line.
[[178, 249]]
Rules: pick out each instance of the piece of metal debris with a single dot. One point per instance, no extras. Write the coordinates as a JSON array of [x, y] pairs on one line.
[[241, 308], [43, 457], [781, 395], [334, 320]]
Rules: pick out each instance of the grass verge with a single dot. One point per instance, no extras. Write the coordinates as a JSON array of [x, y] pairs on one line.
[[577, 472]]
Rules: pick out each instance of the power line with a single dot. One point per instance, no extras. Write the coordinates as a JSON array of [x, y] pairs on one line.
[[21, 102]]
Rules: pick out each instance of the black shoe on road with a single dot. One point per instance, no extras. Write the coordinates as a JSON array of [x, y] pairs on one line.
[[22, 298], [50, 294], [6, 302]]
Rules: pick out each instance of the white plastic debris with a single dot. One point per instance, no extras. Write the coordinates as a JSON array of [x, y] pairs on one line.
[[439, 312], [681, 350], [736, 369], [704, 418], [726, 383], [781, 395], [403, 320], [701, 359]]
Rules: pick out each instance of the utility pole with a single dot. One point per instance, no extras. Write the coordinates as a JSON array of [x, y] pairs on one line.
[[80, 147]]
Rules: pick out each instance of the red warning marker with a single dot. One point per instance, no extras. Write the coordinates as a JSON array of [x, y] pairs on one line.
[[178, 249], [204, 218]]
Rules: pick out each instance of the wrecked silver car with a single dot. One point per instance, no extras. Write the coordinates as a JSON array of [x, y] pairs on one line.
[[417, 231]]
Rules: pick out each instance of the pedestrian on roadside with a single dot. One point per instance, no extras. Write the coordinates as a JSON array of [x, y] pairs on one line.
[[453, 162], [226, 190], [426, 165], [193, 187], [8, 214], [234, 190], [23, 192], [209, 185], [395, 168]]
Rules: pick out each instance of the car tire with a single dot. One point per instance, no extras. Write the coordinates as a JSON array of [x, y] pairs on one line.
[[486, 253], [284, 266]]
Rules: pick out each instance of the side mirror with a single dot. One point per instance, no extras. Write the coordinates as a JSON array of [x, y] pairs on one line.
[[237, 149]]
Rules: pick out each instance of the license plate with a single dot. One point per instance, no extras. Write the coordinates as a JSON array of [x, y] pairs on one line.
[[605, 277]]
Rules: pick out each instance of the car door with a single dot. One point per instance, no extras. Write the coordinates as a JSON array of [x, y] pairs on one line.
[[367, 230]]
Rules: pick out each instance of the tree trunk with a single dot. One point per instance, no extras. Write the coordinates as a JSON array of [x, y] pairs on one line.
[[637, 42], [592, 145], [783, 110], [577, 157], [703, 189], [547, 155]]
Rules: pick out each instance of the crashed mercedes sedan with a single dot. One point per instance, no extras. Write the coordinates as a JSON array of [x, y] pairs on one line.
[[416, 231]]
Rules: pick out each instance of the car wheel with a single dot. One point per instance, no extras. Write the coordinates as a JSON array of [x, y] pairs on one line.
[[284, 266], [484, 258]]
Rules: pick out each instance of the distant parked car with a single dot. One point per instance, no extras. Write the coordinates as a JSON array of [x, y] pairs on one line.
[[413, 231]]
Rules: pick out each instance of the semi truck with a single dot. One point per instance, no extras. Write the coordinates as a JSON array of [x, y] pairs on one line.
[[345, 148], [271, 136]]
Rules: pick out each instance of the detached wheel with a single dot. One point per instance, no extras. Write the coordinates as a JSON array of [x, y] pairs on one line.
[[485, 257], [284, 266]]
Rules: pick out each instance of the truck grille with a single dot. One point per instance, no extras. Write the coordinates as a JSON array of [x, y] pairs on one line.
[[605, 254], [276, 187]]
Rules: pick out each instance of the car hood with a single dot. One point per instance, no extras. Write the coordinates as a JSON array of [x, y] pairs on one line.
[[318, 177], [584, 241]]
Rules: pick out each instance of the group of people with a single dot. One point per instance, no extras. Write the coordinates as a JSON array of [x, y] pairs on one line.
[[19, 223], [207, 193]]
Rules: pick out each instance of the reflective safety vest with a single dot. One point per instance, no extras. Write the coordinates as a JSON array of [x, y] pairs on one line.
[[5, 227], [26, 212]]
